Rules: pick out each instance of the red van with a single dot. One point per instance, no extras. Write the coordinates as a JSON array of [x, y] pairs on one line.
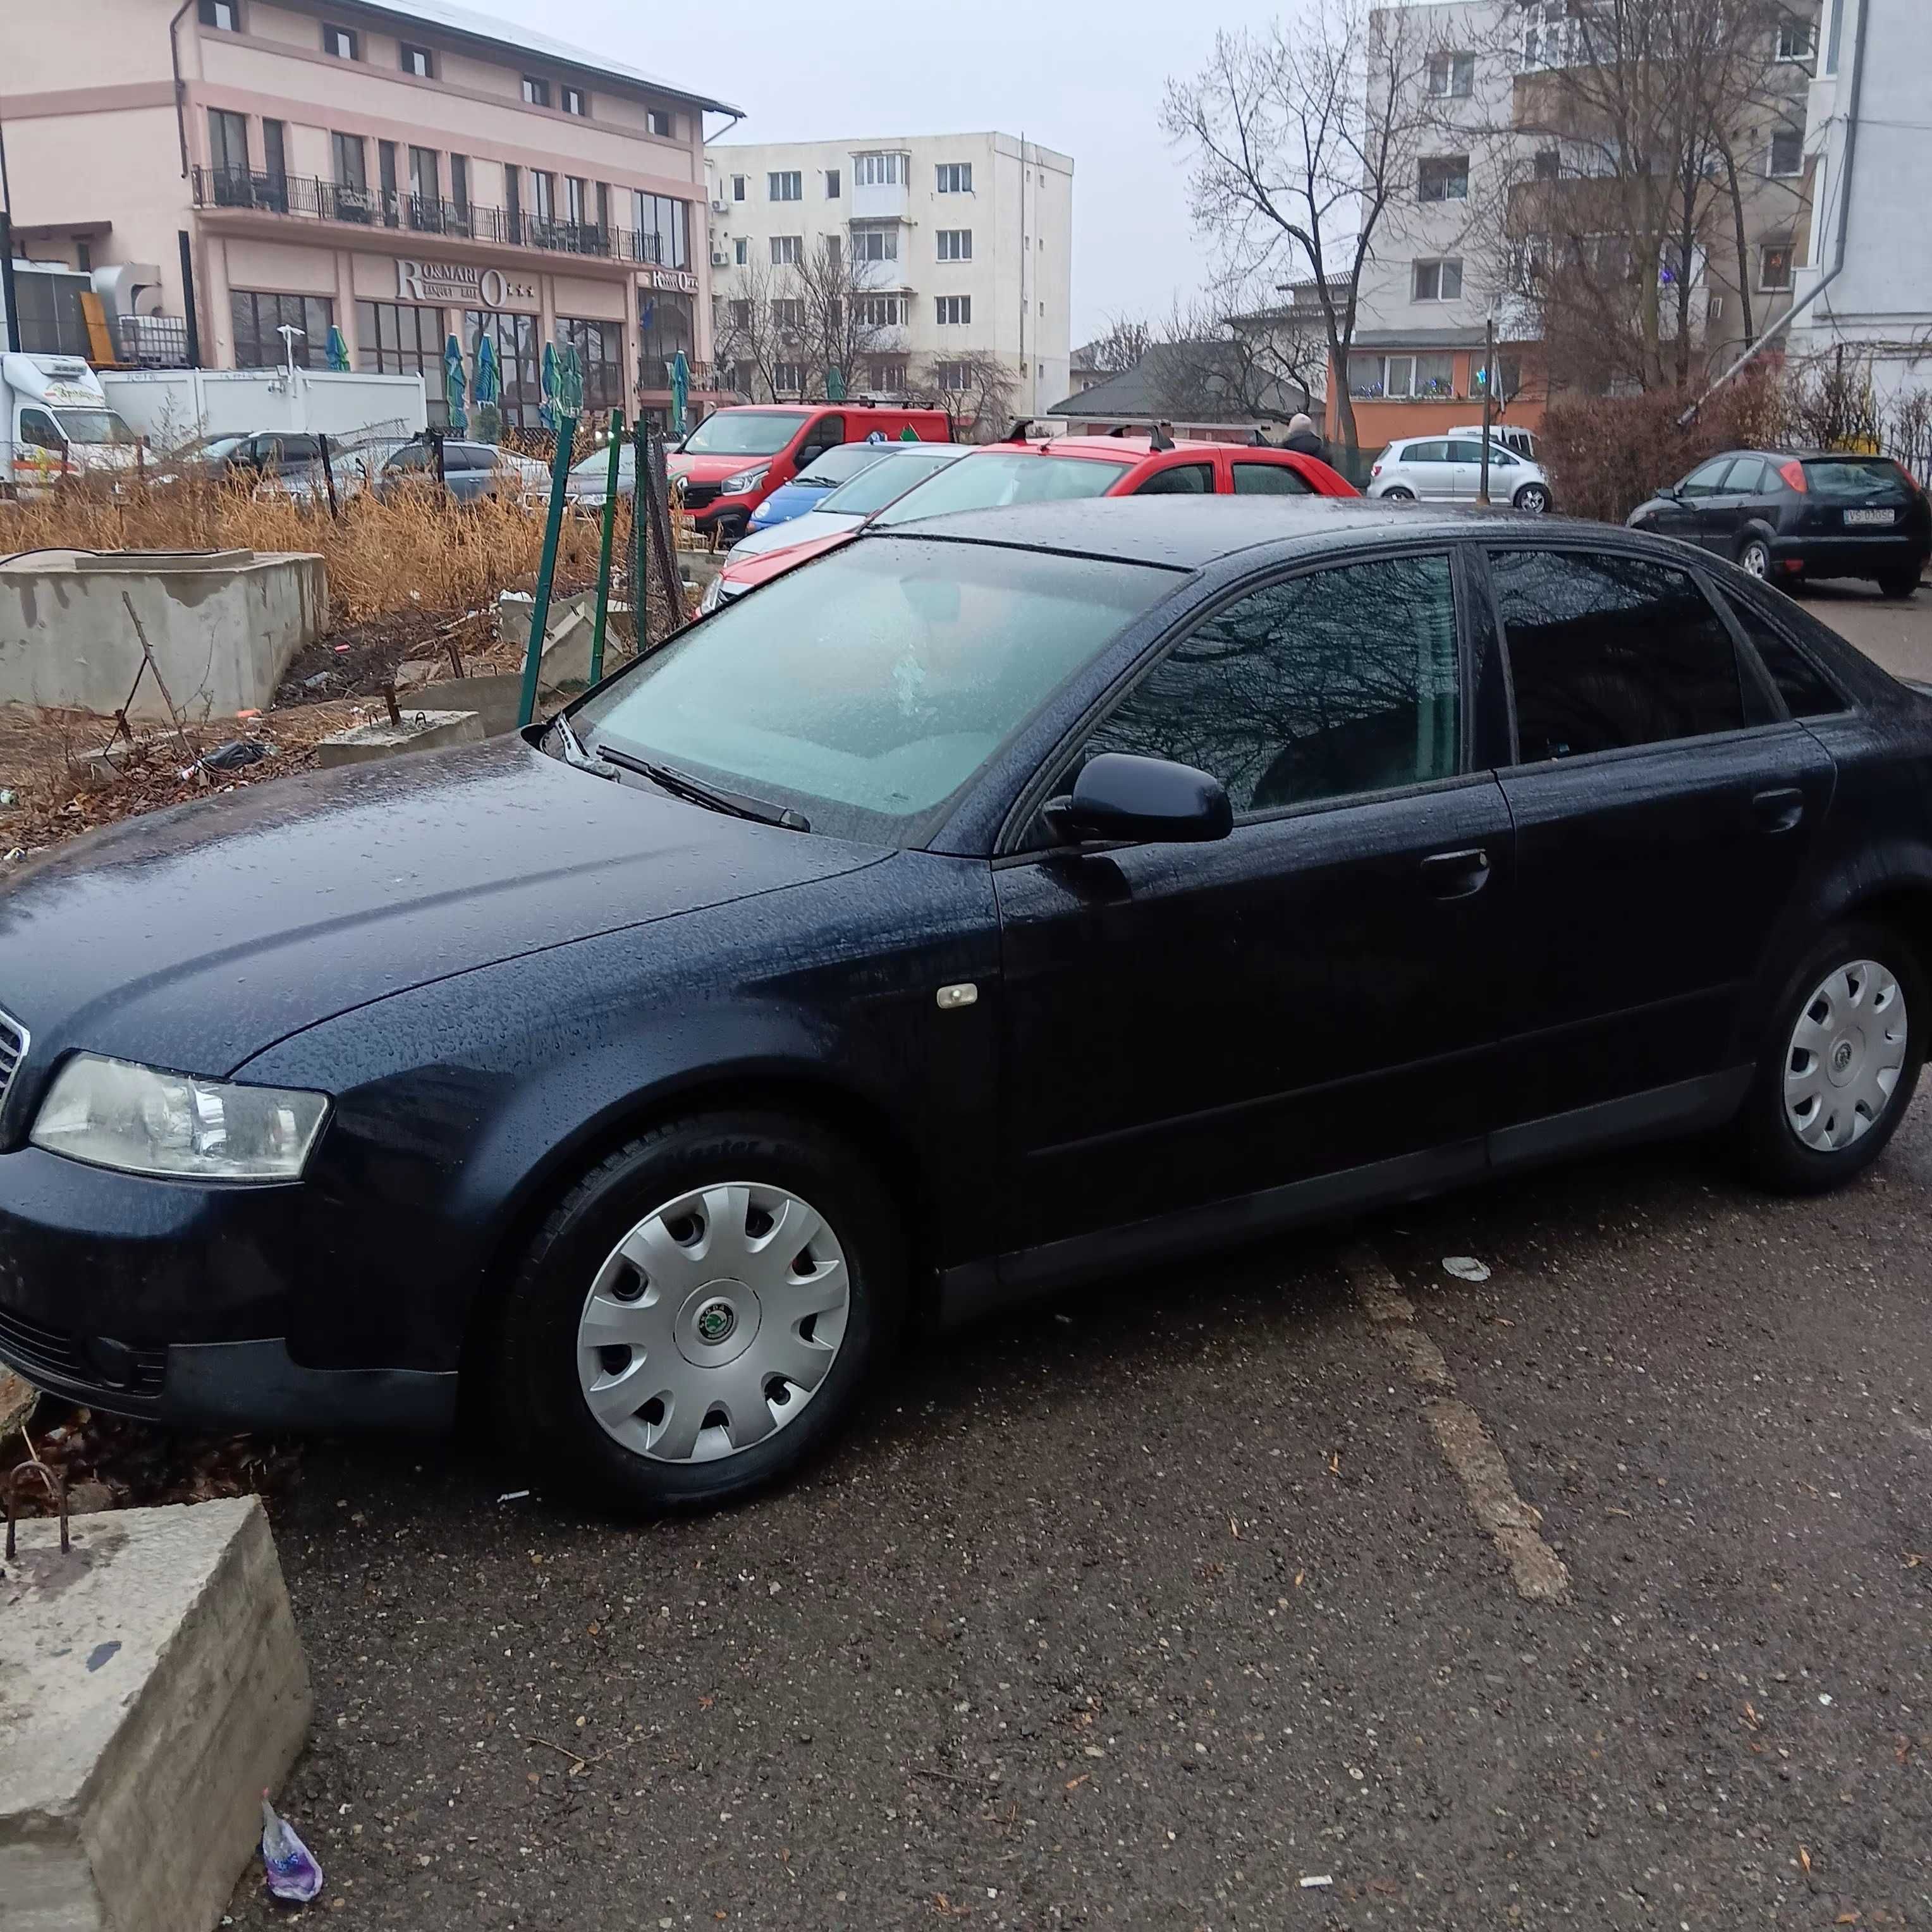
[[735, 458]]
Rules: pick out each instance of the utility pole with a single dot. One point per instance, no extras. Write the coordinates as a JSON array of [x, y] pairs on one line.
[[1489, 400]]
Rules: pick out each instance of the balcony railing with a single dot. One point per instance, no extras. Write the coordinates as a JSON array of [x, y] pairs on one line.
[[303, 196]]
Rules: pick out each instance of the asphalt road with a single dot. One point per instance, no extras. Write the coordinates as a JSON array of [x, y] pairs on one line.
[[1139, 1609], [1897, 635]]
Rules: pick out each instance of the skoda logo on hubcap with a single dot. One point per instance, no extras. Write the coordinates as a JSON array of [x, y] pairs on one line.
[[715, 1321]]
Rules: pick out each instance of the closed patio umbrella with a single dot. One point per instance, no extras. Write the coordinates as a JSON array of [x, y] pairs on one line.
[[453, 385]]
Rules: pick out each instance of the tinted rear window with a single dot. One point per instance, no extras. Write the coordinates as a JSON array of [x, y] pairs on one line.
[[1865, 478], [1806, 693]]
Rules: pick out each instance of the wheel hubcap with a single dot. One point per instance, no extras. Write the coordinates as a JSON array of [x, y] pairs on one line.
[[1757, 560], [713, 1322], [1846, 1053]]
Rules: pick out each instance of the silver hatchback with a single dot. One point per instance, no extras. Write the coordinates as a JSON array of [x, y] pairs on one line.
[[1449, 469]]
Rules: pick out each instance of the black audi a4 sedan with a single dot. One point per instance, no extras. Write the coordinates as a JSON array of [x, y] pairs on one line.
[[990, 904], [1794, 518]]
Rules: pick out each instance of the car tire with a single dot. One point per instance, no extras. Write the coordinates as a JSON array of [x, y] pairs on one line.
[[1532, 497], [1395, 494], [1859, 992], [1899, 584], [716, 1328], [1754, 558]]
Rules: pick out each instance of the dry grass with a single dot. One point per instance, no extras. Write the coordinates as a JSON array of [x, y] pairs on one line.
[[381, 556]]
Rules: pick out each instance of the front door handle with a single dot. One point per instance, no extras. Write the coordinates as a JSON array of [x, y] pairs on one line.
[[1455, 875], [1779, 810]]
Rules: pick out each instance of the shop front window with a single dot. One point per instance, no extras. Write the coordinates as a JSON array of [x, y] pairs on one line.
[[665, 326], [514, 339], [258, 318], [400, 339], [600, 350]]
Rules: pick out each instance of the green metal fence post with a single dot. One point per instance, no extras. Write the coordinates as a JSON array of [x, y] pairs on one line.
[[560, 472], [604, 548], [641, 497]]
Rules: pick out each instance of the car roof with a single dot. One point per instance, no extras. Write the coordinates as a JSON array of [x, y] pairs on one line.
[[1186, 533], [1104, 449]]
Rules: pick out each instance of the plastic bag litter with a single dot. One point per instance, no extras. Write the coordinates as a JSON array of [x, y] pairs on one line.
[[236, 754], [293, 1871]]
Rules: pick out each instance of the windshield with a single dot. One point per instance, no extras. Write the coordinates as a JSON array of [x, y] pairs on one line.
[[998, 478], [842, 464], [743, 433], [210, 448], [887, 481], [1863, 476], [864, 690], [93, 426], [595, 468]]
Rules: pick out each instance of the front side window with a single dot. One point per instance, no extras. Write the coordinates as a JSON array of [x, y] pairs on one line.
[[992, 481], [865, 690], [37, 430], [1707, 479], [1609, 652], [1341, 681]]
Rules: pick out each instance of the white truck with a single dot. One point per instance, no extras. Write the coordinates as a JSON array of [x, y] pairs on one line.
[[172, 409], [55, 420]]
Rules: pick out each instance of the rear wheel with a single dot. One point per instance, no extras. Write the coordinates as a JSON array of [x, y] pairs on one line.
[[1754, 557], [1532, 497], [1899, 584], [703, 1309], [1840, 1060]]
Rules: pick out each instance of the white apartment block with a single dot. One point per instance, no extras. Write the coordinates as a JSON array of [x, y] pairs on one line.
[[964, 242]]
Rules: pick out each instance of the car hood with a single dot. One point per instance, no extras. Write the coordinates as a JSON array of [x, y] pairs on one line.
[[713, 468], [742, 574], [193, 938], [809, 528]]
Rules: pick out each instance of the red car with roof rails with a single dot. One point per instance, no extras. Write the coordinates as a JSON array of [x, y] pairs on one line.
[[1021, 470], [735, 458]]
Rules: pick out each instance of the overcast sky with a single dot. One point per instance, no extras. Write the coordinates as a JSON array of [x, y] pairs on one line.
[[1082, 76]]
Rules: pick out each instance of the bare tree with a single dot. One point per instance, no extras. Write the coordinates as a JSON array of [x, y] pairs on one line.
[[753, 330], [1127, 340], [975, 387], [845, 325], [1301, 136], [1217, 358]]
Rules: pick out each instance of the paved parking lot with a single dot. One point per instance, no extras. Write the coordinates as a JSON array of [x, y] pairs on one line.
[[1143, 1607], [1898, 635]]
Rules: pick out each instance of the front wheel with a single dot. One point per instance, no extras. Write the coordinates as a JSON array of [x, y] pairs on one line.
[[1395, 494], [1532, 497], [1839, 1062], [702, 1311], [1754, 558]]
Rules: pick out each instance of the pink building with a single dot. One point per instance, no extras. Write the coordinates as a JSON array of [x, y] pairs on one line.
[[402, 171]]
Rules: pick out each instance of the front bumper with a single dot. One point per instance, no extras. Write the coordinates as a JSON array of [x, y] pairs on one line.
[[174, 1302]]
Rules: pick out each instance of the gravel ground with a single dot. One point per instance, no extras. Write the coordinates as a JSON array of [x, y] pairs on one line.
[[1141, 1608]]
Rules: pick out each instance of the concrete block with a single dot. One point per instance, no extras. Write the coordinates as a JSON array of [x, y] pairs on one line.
[[222, 630], [493, 696], [419, 731], [152, 1687], [514, 610]]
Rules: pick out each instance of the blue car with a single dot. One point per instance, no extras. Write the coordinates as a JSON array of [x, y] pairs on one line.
[[808, 489]]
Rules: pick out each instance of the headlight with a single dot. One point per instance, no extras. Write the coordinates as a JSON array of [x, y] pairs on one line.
[[110, 1113], [744, 480], [714, 596]]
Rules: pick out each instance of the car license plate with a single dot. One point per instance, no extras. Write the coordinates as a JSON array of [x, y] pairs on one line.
[[1853, 517]]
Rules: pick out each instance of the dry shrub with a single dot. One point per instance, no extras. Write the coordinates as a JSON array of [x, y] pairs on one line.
[[411, 552], [1606, 454]]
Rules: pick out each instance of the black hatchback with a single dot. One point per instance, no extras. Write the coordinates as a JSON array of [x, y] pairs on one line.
[[994, 903], [1793, 518]]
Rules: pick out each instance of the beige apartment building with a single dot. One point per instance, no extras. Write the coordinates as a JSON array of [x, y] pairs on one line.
[[402, 171]]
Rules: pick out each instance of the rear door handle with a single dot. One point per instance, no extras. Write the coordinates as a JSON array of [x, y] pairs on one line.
[[1455, 875], [1778, 810]]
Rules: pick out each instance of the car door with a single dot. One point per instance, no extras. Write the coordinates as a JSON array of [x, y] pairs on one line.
[[1426, 468], [1312, 1002], [1665, 807], [827, 433], [1178, 478], [1684, 515], [1465, 468], [1739, 502]]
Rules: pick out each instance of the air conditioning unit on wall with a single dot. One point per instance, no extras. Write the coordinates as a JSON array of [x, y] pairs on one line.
[[719, 259]]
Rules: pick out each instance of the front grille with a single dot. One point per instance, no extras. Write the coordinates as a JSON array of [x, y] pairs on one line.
[[12, 1051], [697, 496], [37, 1351]]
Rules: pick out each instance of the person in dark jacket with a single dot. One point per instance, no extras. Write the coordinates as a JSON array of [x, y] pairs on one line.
[[1303, 438]]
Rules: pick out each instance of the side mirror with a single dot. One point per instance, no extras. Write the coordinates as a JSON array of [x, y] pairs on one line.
[[1143, 801], [1671, 491]]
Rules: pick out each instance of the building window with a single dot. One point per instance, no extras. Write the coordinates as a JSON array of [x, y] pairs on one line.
[[785, 184], [1774, 262], [426, 190], [416, 61], [1834, 33], [1547, 164], [1439, 281], [1452, 77], [666, 324], [1796, 41], [400, 339], [738, 187], [879, 311], [341, 42], [889, 374], [955, 311], [543, 195], [832, 248], [955, 244], [876, 244], [954, 378], [788, 315], [574, 101], [878, 170], [740, 313], [600, 353], [576, 201], [788, 379], [257, 318], [536, 93], [663, 230], [787, 251], [513, 201], [1401, 378], [658, 120], [831, 184], [385, 179], [741, 252], [352, 162], [228, 157], [955, 177], [1444, 178], [459, 186], [513, 338], [1787, 151], [221, 15], [275, 160]]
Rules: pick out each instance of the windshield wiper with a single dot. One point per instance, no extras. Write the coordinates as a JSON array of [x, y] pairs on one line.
[[575, 755], [682, 785]]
